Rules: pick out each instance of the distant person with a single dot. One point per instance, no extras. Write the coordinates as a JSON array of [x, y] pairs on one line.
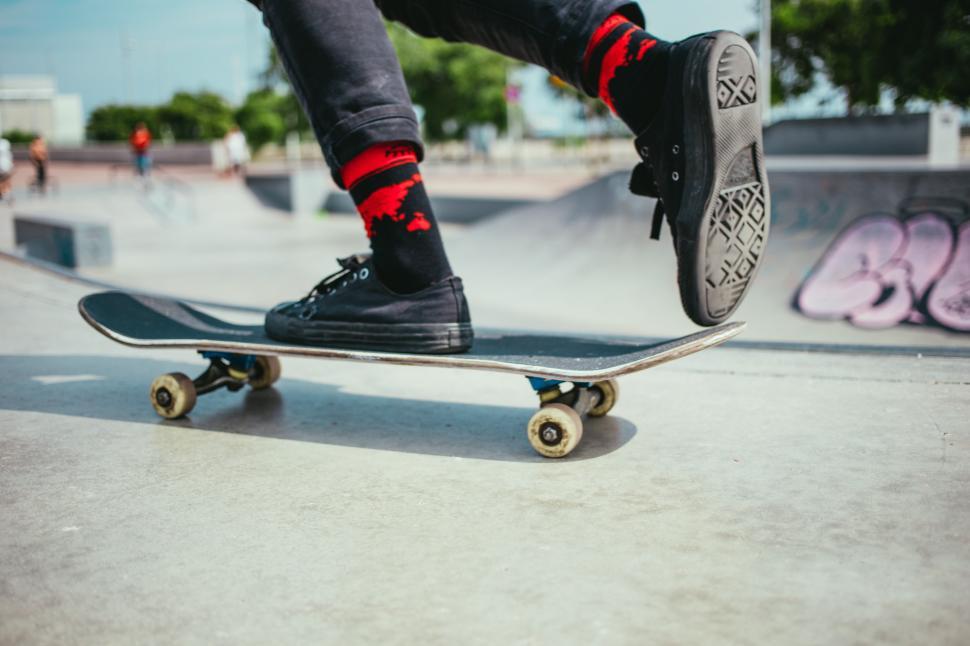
[[692, 106], [6, 167], [237, 151], [141, 143], [39, 157]]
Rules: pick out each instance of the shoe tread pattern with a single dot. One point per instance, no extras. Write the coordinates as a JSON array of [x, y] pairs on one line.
[[738, 233], [736, 82]]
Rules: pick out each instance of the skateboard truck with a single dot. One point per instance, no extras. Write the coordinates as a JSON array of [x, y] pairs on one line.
[[174, 394], [557, 427]]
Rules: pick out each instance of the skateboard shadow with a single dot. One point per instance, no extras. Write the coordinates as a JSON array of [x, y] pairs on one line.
[[116, 388]]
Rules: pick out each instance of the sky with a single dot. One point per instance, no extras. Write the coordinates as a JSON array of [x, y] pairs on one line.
[[143, 51], [171, 45]]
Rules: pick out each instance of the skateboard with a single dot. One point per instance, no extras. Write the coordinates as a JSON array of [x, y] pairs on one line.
[[573, 376]]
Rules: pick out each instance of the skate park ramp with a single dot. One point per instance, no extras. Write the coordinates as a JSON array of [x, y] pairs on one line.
[[897, 273], [896, 276]]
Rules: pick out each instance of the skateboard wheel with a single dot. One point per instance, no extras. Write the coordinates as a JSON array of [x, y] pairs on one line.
[[173, 395], [609, 392], [555, 430], [266, 371]]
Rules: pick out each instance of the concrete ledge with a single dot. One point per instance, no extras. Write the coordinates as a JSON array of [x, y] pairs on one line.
[[934, 136], [65, 242], [309, 190], [301, 191]]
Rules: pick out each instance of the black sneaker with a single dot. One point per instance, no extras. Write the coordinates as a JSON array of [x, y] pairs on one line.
[[703, 158], [353, 309]]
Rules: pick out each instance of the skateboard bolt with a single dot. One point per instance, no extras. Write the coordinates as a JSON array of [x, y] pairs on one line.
[[550, 435], [163, 397]]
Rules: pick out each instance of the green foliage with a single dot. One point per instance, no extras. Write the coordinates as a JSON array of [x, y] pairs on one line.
[[198, 117], [260, 118], [456, 83], [16, 136], [932, 47], [189, 117], [115, 122], [917, 50], [271, 112]]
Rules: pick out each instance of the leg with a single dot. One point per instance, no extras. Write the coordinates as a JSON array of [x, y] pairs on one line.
[[42, 176], [550, 33], [349, 82], [692, 104], [345, 73]]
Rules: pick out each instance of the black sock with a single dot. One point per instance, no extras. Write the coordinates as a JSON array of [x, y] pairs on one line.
[[408, 252], [628, 67]]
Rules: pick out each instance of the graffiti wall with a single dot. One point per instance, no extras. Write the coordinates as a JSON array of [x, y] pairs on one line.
[[885, 269]]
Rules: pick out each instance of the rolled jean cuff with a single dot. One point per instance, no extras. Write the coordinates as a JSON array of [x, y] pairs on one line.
[[571, 44], [357, 133]]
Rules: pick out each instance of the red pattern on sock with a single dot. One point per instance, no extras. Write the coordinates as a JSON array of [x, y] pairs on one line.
[[604, 30], [419, 223], [386, 202], [375, 159], [645, 47], [617, 55]]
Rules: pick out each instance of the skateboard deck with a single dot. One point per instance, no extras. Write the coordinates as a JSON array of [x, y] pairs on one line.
[[573, 375]]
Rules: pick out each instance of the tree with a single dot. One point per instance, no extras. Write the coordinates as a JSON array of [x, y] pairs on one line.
[[273, 110], [202, 116], [115, 122], [915, 50], [456, 84], [260, 117], [17, 136]]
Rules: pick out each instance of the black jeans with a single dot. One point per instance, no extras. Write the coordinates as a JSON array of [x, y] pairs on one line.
[[347, 76]]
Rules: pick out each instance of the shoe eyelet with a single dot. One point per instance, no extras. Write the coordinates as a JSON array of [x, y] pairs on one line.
[[364, 273], [676, 149], [644, 151], [307, 313], [675, 176], [353, 277]]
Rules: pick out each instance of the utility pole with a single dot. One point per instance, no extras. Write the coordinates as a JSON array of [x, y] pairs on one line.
[[764, 55]]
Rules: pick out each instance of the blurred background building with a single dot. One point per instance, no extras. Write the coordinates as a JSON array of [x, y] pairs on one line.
[[32, 104]]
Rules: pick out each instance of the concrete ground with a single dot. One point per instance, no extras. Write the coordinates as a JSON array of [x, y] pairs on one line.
[[735, 496]]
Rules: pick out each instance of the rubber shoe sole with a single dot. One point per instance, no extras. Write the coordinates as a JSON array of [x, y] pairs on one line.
[[719, 256], [412, 338]]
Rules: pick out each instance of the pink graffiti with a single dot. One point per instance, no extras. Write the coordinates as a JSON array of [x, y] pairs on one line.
[[949, 302], [882, 271]]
